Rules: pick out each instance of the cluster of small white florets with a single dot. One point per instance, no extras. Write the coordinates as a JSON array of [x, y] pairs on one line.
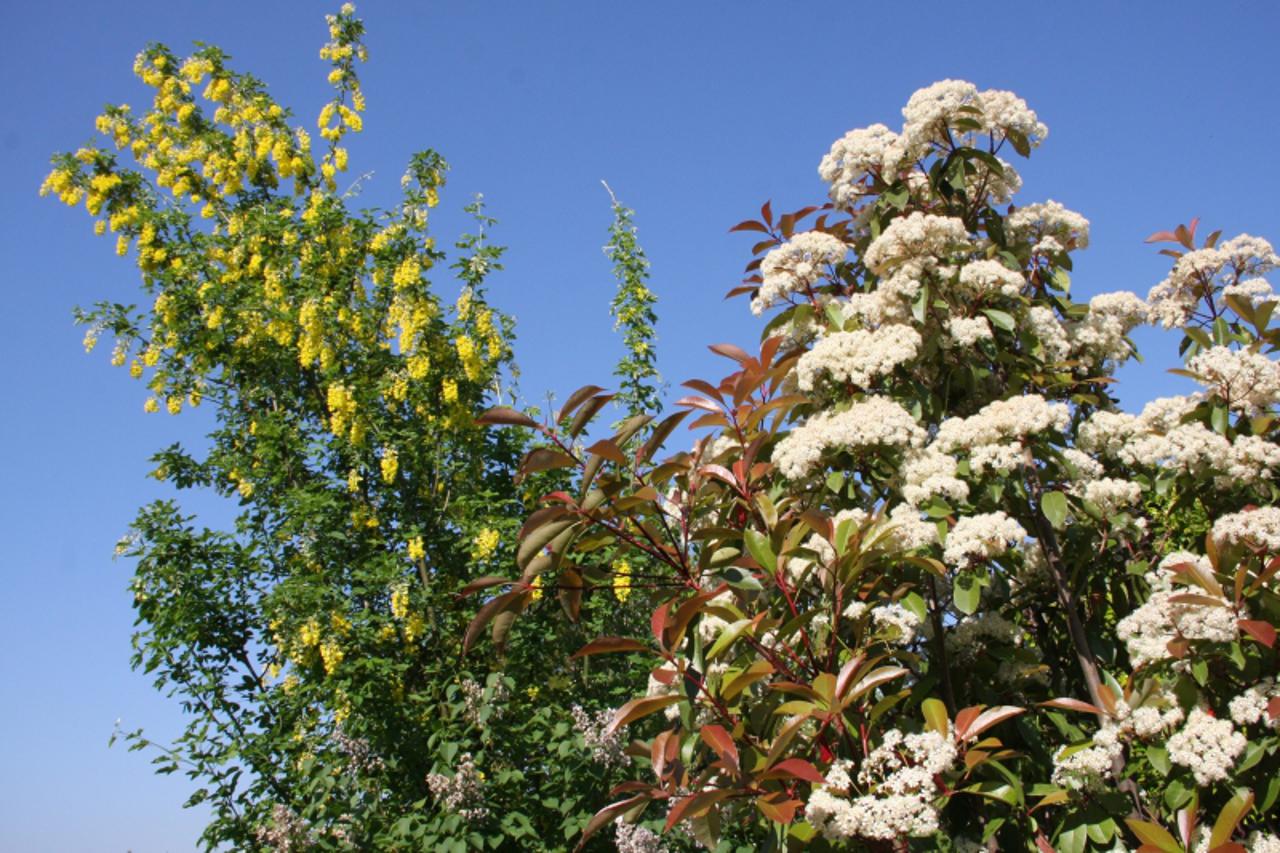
[[910, 530], [976, 538], [1157, 711], [1262, 842], [1109, 494], [1247, 381], [967, 331], [819, 545], [1101, 337], [607, 747], [1201, 273], [920, 237], [931, 116], [796, 266], [1207, 745], [984, 278], [930, 472], [474, 700], [463, 792], [286, 833], [871, 152], [901, 773], [969, 637], [1253, 705], [876, 422], [1048, 227], [633, 838], [1259, 527], [1158, 437], [1148, 630], [1084, 767], [1254, 290], [859, 357], [895, 623], [993, 437]]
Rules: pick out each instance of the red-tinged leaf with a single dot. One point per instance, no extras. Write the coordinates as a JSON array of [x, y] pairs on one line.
[[734, 352], [1072, 705], [1042, 844], [543, 459], [576, 399], [1263, 632], [1196, 599], [587, 412], [762, 245], [697, 805], [1162, 237], [722, 742], [639, 708], [986, 720], [740, 290], [539, 517], [875, 678], [705, 387], [609, 645], [559, 497], [1154, 834], [769, 349], [709, 420], [1273, 708], [484, 583], [660, 434], [778, 808], [507, 416], [719, 472], [749, 225], [794, 768], [609, 449], [965, 718], [786, 224], [508, 601], [658, 622], [699, 403], [733, 685], [766, 213], [1052, 800], [606, 815]]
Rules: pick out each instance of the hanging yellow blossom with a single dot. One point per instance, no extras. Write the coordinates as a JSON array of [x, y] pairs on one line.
[[400, 600], [622, 580], [416, 549], [390, 463], [484, 544], [536, 588], [450, 389]]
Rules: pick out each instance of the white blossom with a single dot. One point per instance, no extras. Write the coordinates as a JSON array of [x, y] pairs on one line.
[[993, 437], [871, 423], [1048, 220], [980, 278], [930, 472], [859, 357], [796, 266], [919, 236], [1085, 767], [1251, 706], [872, 151], [1208, 746], [1259, 527], [1247, 381], [896, 622], [976, 538], [967, 331]]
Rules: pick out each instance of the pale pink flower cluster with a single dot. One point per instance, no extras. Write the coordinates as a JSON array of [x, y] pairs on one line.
[[606, 747], [1085, 767], [919, 236], [1247, 381], [859, 357], [463, 792], [994, 436], [1048, 227], [1208, 746], [976, 538], [633, 838], [796, 266], [901, 773], [876, 422]]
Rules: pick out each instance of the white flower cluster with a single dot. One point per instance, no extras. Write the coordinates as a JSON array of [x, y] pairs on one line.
[[1048, 227], [796, 266], [930, 472], [1208, 746], [1109, 494], [1252, 706], [967, 331], [1202, 273], [873, 422], [826, 553], [920, 237], [1157, 711], [1262, 842], [970, 636], [872, 152], [993, 437], [607, 748], [901, 773], [1084, 767], [895, 623], [977, 538], [932, 113], [1101, 337], [287, 833], [461, 793], [910, 530], [1247, 381], [1260, 527], [1158, 437], [859, 357], [1147, 631], [983, 278], [633, 838], [1254, 290]]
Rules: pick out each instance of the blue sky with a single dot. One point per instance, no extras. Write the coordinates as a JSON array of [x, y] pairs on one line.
[[695, 113]]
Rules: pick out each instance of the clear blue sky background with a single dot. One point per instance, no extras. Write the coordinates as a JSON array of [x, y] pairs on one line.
[[695, 112]]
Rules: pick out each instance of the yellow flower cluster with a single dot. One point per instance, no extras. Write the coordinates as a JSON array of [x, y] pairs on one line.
[[622, 580], [400, 600], [331, 655], [343, 417], [484, 544], [390, 464], [414, 627], [472, 366], [536, 588], [416, 549]]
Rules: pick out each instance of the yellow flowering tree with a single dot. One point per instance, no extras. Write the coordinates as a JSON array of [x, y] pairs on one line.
[[317, 646]]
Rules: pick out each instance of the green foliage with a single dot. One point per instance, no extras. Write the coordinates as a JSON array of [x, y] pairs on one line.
[[633, 313]]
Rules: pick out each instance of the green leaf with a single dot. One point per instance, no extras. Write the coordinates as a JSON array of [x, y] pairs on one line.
[[1054, 507], [1001, 319], [758, 544], [967, 593]]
